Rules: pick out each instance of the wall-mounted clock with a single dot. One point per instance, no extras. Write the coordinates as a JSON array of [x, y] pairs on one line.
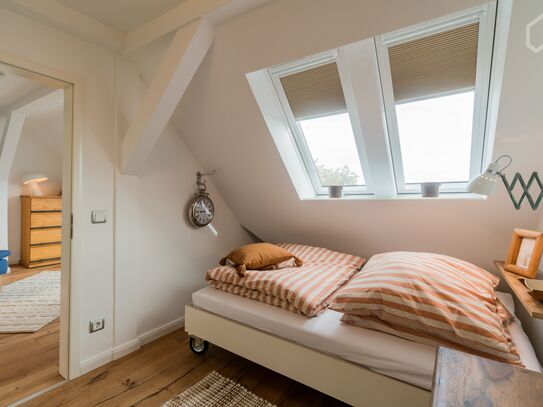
[[201, 209]]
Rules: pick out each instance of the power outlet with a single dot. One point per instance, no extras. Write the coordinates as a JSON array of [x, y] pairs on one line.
[[96, 325]]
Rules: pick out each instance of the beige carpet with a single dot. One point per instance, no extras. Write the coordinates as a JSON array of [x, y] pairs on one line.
[[31, 303], [216, 390]]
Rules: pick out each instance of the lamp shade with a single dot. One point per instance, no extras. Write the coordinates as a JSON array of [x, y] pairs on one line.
[[485, 183], [34, 178]]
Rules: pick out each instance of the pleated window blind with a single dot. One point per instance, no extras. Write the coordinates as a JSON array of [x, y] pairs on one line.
[[314, 92], [418, 101], [439, 63]]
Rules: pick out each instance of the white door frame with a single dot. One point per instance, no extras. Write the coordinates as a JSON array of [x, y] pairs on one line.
[[69, 356]]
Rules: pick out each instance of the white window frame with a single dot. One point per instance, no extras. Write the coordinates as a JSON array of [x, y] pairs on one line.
[[296, 131], [363, 68], [485, 16]]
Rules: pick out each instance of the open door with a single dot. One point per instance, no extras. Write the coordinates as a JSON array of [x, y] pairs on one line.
[[36, 139]]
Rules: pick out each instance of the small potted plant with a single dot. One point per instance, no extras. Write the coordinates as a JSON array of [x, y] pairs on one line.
[[335, 191]]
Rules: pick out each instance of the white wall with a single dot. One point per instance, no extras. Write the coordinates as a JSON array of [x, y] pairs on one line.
[[221, 123], [53, 49], [174, 255], [33, 155], [3, 202], [236, 138], [160, 259], [540, 227], [139, 268], [3, 215], [521, 123]]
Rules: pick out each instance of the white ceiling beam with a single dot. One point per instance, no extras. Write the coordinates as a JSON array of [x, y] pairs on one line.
[[13, 126], [69, 20], [47, 100], [9, 142], [181, 61], [129, 94], [172, 20], [25, 100]]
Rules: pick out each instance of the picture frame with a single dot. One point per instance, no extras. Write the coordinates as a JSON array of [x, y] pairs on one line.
[[524, 253]]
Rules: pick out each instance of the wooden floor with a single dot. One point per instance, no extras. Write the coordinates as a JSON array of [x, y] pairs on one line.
[[28, 361], [164, 368]]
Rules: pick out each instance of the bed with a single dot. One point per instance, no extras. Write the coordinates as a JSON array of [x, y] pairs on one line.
[[355, 365]]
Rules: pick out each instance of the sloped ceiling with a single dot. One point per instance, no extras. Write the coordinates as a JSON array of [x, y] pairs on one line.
[[122, 15], [15, 88], [47, 125], [222, 125]]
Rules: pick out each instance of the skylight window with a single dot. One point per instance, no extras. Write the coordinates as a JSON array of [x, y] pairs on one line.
[[315, 105], [435, 138], [382, 115], [431, 105], [331, 143]]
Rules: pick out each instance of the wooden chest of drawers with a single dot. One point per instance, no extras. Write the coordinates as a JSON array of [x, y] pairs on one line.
[[41, 230]]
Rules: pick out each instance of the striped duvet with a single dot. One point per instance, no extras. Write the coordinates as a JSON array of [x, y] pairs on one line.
[[429, 298], [306, 290]]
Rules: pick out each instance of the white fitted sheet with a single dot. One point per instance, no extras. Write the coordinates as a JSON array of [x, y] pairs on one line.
[[402, 359]]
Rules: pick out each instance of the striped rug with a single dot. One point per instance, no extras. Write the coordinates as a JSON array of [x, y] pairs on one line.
[[216, 390], [31, 303]]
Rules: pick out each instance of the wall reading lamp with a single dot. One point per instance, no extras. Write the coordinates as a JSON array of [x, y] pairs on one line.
[[486, 183]]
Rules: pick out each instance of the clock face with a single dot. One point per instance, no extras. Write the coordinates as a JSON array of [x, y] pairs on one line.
[[201, 211]]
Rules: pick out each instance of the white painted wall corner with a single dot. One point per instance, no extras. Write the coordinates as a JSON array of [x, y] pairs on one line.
[[126, 348]]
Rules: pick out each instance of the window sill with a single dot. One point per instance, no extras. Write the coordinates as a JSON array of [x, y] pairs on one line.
[[400, 197]]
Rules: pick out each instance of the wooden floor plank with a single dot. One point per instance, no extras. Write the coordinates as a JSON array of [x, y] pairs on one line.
[[145, 378], [170, 388], [166, 367], [28, 361]]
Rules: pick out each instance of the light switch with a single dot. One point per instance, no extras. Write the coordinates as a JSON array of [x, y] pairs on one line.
[[99, 216]]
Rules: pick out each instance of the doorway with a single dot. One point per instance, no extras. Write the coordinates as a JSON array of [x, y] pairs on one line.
[[35, 231]]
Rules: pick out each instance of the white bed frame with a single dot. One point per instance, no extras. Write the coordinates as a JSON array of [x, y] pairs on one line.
[[346, 381]]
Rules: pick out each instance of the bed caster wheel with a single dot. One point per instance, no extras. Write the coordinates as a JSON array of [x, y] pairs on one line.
[[198, 346]]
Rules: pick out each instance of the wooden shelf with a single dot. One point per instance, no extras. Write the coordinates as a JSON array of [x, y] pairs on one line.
[[532, 306]]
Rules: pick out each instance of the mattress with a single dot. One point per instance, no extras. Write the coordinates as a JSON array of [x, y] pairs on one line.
[[392, 356]]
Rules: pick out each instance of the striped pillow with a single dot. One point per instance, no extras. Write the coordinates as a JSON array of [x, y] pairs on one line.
[[432, 299]]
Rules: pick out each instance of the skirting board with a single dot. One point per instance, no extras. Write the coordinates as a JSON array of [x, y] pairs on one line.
[[96, 361], [159, 332], [124, 349]]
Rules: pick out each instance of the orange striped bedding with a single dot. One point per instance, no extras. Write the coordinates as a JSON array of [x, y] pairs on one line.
[[429, 298], [305, 290]]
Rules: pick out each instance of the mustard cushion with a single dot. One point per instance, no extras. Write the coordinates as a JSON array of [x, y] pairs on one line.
[[258, 256]]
